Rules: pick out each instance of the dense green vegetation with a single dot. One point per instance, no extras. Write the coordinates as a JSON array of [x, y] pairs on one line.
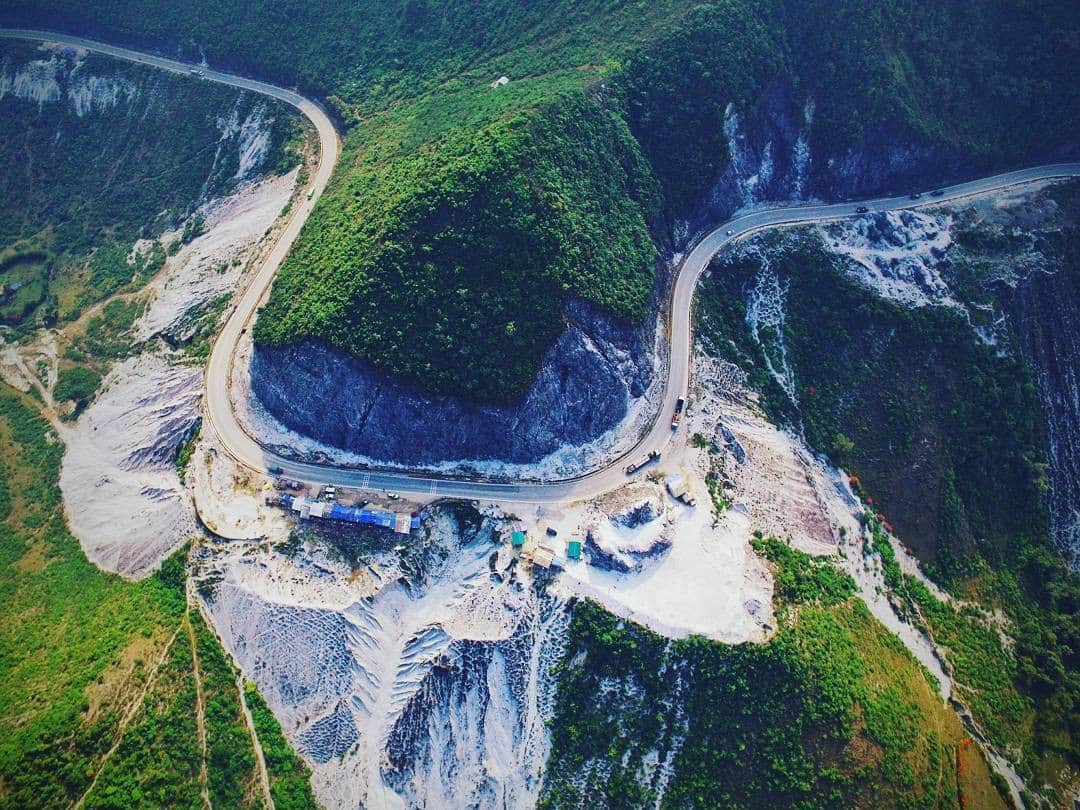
[[82, 652], [885, 390], [78, 385], [84, 187], [536, 198], [832, 712], [464, 217], [800, 578], [232, 775], [158, 759], [74, 642]]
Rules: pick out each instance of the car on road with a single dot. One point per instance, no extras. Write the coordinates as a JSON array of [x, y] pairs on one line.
[[730, 232], [862, 209], [915, 195], [275, 470], [937, 193]]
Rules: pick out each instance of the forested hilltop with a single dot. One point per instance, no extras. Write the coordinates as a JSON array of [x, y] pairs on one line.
[[464, 215]]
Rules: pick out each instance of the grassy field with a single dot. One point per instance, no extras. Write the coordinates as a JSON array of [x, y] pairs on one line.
[[97, 675]]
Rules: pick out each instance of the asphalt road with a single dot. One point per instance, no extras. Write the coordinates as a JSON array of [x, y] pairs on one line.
[[219, 413]]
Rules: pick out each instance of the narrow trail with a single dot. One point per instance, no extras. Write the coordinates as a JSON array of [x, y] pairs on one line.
[[200, 703], [260, 757], [129, 715]]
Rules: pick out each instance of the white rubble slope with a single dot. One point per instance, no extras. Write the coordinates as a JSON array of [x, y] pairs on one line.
[[423, 679], [121, 490]]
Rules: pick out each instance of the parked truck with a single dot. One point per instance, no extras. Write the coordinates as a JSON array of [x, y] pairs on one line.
[[633, 467], [677, 416]]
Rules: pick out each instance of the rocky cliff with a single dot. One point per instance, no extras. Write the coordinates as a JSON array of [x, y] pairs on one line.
[[1045, 311], [585, 387]]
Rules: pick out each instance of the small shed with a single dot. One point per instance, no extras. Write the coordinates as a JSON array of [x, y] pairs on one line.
[[676, 486], [517, 538], [573, 550], [502, 81], [543, 556]]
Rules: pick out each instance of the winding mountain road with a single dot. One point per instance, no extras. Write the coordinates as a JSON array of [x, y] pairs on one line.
[[247, 451]]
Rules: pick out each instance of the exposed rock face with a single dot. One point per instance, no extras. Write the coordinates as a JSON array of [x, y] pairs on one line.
[[639, 514], [584, 388], [1046, 310], [897, 254], [773, 157]]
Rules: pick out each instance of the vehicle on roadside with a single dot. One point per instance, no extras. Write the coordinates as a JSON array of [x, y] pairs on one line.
[[393, 496], [937, 193], [329, 493], [633, 467], [311, 192], [862, 209], [915, 195], [275, 470], [730, 232], [677, 416]]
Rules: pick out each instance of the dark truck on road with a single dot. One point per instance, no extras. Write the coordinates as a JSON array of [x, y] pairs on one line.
[[677, 416]]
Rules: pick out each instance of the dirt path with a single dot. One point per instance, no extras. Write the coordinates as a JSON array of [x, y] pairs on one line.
[[200, 704], [264, 776], [260, 758], [132, 711]]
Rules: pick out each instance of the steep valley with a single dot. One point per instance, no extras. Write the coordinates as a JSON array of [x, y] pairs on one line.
[[848, 580]]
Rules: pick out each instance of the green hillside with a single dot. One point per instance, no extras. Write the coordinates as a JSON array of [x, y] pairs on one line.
[[464, 216], [98, 676], [945, 436], [832, 712]]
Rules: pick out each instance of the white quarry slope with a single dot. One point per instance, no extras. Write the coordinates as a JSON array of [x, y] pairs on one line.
[[682, 570], [122, 494], [424, 682], [211, 265], [896, 254]]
